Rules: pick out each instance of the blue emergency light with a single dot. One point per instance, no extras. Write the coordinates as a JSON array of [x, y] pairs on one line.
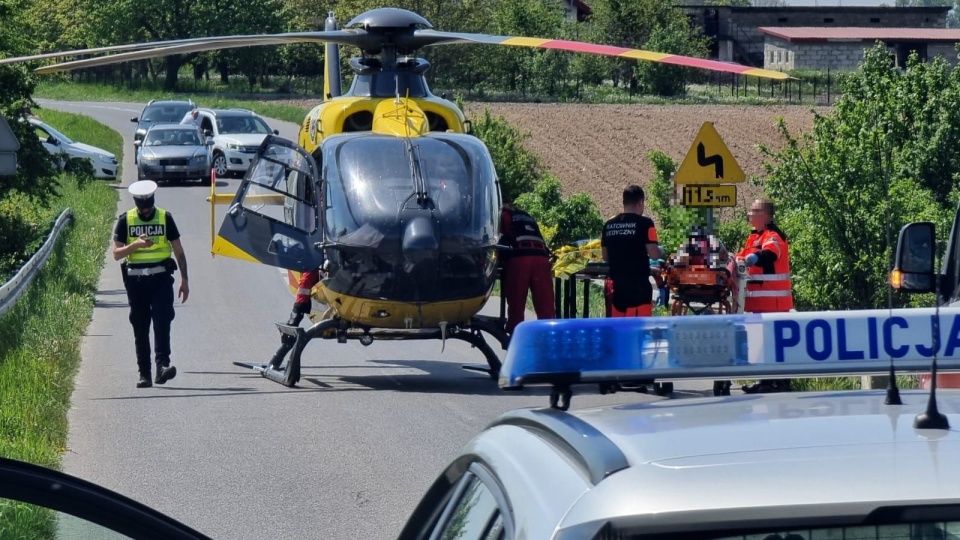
[[753, 346]]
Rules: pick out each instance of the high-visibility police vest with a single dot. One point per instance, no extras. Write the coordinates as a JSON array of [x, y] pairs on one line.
[[768, 293], [156, 229]]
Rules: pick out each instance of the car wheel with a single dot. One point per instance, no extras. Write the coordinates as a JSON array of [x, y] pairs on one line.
[[220, 165]]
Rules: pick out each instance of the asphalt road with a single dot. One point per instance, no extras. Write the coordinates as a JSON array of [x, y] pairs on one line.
[[346, 455]]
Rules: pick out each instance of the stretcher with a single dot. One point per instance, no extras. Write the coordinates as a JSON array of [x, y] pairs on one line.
[[702, 281]]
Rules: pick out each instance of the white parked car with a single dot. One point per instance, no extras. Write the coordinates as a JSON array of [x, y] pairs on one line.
[[237, 134], [104, 163]]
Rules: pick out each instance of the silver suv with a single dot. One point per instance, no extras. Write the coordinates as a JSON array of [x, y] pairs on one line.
[[237, 134]]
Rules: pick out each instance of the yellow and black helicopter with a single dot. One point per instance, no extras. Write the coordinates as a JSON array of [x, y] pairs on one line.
[[386, 192]]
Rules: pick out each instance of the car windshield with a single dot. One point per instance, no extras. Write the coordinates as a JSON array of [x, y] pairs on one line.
[[165, 113], [172, 137], [242, 124], [63, 138]]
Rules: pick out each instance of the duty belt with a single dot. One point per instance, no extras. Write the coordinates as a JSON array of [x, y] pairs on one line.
[[150, 271]]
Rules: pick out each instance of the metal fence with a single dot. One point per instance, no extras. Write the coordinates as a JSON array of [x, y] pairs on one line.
[[12, 290]]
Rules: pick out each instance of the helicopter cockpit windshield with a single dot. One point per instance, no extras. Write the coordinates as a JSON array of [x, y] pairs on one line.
[[416, 219], [371, 180]]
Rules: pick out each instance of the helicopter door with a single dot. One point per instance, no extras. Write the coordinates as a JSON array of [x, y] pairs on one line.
[[273, 218]]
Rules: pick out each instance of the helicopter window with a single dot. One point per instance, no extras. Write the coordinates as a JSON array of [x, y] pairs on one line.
[[279, 186]]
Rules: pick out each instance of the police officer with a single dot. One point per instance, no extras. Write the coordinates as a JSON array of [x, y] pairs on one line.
[[629, 241], [526, 266], [148, 238], [769, 290]]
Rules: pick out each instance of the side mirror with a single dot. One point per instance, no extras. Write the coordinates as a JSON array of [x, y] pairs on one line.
[[134, 119], [138, 142], [208, 141], [913, 270], [276, 132], [467, 126]]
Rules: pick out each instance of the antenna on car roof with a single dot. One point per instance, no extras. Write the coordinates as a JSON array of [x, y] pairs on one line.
[[893, 392], [932, 418]]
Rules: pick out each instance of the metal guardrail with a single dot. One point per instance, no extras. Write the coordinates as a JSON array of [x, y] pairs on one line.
[[11, 291]]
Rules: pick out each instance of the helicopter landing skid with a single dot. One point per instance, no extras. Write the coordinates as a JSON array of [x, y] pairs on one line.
[[288, 373]]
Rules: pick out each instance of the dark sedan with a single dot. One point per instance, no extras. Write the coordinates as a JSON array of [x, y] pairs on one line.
[[174, 152]]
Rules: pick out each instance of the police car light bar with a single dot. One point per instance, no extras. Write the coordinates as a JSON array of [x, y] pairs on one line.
[[752, 346]]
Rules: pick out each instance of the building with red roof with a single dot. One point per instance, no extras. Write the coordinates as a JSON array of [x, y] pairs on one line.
[[841, 48]]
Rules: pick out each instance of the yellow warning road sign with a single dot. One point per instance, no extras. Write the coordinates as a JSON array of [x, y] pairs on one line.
[[709, 161], [709, 195]]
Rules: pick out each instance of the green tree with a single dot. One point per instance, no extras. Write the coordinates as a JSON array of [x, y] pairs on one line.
[[574, 218], [517, 168], [651, 25], [522, 69], [673, 221], [35, 173], [875, 163]]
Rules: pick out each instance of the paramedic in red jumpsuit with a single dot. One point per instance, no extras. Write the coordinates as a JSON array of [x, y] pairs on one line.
[[301, 307], [526, 267]]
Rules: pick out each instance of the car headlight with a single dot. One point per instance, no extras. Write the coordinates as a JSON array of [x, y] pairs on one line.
[[199, 160], [108, 159], [234, 146], [148, 158]]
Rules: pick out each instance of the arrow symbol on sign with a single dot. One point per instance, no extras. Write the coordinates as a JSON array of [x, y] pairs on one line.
[[704, 161]]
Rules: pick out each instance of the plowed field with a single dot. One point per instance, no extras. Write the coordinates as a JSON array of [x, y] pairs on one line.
[[599, 149]]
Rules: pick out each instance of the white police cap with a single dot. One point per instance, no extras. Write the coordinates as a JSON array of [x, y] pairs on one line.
[[143, 188]]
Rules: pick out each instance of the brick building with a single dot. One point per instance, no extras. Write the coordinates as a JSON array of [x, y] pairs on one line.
[[736, 33], [841, 48]]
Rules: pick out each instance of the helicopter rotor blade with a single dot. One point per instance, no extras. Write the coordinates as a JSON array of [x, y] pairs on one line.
[[140, 51], [433, 37]]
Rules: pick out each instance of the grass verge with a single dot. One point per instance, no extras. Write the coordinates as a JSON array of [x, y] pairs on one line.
[[40, 337]]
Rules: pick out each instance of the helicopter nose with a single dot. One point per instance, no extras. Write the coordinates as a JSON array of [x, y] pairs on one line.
[[420, 239]]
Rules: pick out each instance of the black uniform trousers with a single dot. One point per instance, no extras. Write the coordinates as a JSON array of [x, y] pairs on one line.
[[151, 300]]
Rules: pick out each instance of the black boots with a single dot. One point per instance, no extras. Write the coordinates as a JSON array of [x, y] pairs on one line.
[[165, 373]]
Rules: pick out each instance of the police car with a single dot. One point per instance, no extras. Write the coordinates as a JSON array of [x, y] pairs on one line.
[[776, 466]]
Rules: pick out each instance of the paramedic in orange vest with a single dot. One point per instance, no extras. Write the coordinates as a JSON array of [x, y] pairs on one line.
[[767, 257], [526, 266]]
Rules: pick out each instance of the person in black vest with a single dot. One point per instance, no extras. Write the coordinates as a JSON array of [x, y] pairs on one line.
[[148, 238], [629, 241], [526, 266]]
